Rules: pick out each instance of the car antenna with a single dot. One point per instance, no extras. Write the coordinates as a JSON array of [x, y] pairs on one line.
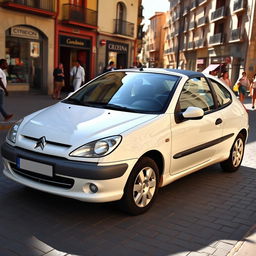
[[141, 69]]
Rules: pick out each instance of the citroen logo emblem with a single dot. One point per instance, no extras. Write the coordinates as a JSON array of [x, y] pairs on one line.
[[41, 143]]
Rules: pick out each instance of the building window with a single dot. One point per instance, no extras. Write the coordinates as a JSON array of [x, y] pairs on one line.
[[23, 50]]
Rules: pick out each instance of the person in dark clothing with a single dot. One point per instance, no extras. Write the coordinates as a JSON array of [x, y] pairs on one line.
[[58, 75]]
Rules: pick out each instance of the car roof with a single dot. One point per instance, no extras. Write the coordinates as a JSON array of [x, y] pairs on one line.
[[188, 73]]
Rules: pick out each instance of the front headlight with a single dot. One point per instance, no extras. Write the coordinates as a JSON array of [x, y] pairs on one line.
[[12, 133], [98, 148]]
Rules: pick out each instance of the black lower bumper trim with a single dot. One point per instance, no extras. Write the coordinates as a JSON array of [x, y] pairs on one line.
[[66, 167]]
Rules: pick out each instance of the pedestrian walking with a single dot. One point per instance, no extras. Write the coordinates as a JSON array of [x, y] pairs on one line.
[[253, 91], [58, 75], [226, 80], [243, 86], [78, 75], [3, 90]]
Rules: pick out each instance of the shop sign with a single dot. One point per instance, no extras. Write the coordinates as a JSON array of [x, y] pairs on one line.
[[117, 47], [24, 32], [200, 61], [75, 42]]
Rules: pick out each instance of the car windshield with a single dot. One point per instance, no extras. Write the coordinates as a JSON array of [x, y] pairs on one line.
[[127, 91]]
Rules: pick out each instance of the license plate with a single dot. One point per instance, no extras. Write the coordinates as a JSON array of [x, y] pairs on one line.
[[35, 167]]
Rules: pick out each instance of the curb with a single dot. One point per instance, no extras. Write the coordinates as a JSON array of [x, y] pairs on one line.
[[240, 243]]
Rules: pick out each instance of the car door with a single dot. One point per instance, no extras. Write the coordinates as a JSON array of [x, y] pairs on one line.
[[194, 142]]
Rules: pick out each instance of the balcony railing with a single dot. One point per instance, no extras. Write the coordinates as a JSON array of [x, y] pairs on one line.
[[79, 14], [46, 5], [216, 39], [123, 27], [202, 21], [199, 43], [218, 14], [239, 5], [201, 2], [236, 35], [193, 5], [192, 25], [186, 10]]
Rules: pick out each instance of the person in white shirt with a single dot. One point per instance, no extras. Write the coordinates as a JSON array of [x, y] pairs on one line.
[[3, 90], [78, 75]]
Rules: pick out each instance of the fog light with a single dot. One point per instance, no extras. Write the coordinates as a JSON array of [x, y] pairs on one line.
[[93, 188]]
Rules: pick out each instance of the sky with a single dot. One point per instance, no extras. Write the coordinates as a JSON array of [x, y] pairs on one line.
[[152, 6]]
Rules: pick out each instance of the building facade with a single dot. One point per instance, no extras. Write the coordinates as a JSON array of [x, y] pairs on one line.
[[153, 53], [27, 42], [75, 36], [117, 33], [205, 32]]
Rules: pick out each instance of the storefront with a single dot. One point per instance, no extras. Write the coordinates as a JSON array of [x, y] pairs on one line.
[[25, 51], [117, 52], [72, 49]]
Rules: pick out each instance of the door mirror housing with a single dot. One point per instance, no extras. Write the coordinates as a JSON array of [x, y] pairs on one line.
[[193, 113]]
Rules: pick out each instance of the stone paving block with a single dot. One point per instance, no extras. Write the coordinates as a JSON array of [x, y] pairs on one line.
[[198, 254], [208, 250]]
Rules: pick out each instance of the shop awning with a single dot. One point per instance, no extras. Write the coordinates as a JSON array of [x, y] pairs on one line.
[[211, 68]]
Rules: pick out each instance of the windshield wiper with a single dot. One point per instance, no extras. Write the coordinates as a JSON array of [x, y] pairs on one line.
[[73, 101], [118, 107]]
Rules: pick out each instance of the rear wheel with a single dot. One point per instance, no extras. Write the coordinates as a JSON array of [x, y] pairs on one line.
[[141, 187], [234, 161]]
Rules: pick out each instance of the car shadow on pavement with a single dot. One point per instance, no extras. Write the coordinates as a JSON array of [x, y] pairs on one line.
[[191, 214]]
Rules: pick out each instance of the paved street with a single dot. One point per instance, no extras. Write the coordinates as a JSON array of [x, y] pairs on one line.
[[203, 214]]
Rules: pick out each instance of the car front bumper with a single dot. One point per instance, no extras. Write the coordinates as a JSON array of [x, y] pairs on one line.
[[69, 178]]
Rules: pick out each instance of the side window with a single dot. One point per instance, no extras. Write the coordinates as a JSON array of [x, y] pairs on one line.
[[223, 95], [196, 93]]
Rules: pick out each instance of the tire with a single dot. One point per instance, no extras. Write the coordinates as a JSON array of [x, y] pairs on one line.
[[141, 187], [234, 161]]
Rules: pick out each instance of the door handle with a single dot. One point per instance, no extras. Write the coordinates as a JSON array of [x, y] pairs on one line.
[[218, 121]]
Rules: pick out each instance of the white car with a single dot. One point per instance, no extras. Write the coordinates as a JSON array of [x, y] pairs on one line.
[[125, 134]]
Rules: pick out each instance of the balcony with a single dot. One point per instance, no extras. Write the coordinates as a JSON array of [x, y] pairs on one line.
[[192, 25], [199, 43], [185, 10], [176, 32], [76, 15], [185, 27], [193, 5], [201, 2], [173, 3], [123, 27], [190, 45], [239, 5], [44, 8], [168, 51], [216, 39], [202, 21], [176, 16], [219, 14], [236, 35]]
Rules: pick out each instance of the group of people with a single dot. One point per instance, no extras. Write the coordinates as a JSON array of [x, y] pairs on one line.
[[243, 83], [77, 74]]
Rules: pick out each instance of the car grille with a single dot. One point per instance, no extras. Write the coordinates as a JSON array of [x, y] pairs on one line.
[[56, 181]]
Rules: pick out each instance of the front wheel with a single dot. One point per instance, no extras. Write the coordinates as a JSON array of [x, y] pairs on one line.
[[141, 188], [236, 155]]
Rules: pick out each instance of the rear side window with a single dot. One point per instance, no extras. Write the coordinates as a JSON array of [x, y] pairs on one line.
[[196, 93], [223, 95]]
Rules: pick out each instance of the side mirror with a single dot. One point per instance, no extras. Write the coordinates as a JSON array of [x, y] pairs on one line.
[[193, 113]]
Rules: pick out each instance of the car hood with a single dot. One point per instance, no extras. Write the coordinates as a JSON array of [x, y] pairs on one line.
[[71, 124]]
